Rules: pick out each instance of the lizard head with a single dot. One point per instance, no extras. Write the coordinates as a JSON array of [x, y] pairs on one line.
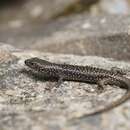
[[31, 63], [36, 63]]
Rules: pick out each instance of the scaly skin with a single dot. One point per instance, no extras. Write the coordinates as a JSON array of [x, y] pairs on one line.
[[86, 74]]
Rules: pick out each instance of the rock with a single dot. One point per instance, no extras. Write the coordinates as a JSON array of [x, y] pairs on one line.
[[28, 102], [20, 13], [101, 36], [83, 35], [115, 6]]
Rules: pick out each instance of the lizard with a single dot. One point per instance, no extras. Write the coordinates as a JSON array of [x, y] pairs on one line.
[[88, 74]]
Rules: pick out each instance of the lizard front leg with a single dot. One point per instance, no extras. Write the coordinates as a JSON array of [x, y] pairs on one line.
[[60, 81]]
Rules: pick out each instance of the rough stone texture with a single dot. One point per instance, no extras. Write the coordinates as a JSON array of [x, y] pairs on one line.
[[107, 36], [30, 103]]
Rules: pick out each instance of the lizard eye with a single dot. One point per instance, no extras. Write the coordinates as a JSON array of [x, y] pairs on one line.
[[32, 64]]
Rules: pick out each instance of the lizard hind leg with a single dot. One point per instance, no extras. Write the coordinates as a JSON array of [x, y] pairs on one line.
[[102, 83]]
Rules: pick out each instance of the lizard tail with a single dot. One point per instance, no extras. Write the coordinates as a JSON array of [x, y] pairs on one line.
[[125, 84]]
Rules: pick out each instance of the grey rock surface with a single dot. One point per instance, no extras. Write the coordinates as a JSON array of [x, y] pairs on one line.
[[109, 7], [107, 36], [19, 13], [30, 103]]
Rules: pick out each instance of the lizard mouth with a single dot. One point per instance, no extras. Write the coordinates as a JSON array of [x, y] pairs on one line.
[[27, 63]]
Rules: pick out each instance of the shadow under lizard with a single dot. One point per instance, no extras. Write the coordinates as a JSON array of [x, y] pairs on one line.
[[87, 74]]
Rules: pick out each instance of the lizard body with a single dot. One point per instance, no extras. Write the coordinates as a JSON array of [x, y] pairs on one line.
[[86, 74]]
